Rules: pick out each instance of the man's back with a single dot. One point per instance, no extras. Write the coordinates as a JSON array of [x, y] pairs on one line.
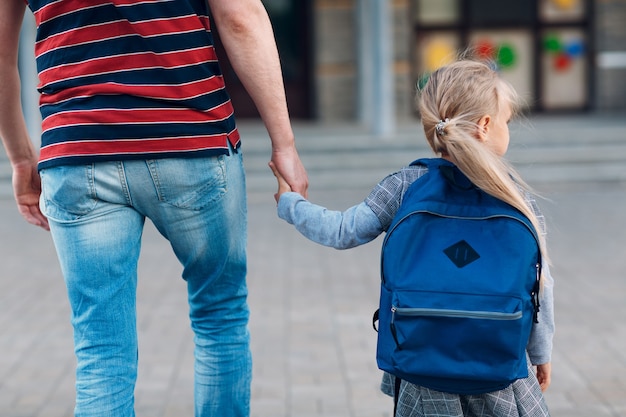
[[122, 79]]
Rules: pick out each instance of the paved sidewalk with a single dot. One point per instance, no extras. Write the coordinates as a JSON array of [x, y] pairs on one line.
[[313, 345]]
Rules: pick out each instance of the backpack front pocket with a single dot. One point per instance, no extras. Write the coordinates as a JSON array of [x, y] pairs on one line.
[[461, 336]]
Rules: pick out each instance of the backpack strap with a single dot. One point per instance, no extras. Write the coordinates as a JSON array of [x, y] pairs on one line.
[[396, 394], [448, 170], [375, 319]]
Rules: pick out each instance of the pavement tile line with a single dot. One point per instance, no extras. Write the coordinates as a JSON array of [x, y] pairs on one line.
[[312, 343]]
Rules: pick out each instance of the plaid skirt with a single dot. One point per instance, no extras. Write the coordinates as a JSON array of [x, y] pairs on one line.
[[523, 398]]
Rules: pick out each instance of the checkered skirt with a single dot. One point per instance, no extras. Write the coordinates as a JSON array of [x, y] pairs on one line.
[[523, 398]]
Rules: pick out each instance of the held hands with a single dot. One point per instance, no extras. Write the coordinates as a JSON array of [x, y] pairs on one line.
[[544, 372], [283, 186], [286, 162]]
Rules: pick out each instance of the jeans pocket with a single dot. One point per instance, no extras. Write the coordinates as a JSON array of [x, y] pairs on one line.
[[68, 192], [189, 183]]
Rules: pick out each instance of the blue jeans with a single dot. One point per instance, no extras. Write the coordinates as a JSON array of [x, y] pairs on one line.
[[97, 213]]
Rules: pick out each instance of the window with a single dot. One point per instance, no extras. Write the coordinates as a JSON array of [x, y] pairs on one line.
[[540, 46]]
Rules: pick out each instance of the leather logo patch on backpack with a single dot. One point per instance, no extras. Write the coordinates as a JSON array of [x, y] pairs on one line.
[[461, 254]]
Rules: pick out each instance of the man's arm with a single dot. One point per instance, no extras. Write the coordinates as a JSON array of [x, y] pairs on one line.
[[248, 38], [17, 143]]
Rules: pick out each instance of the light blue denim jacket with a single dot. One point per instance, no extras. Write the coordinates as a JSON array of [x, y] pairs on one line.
[[364, 222]]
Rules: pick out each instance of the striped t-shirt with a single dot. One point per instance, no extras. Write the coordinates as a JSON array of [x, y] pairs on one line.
[[129, 79]]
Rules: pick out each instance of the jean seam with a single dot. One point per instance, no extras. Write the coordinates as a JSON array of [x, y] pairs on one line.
[[122, 175], [155, 178], [91, 179]]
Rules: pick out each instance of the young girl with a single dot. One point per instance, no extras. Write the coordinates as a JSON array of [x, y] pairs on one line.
[[465, 109]]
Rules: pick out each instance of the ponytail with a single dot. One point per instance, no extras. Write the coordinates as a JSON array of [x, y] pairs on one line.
[[451, 104]]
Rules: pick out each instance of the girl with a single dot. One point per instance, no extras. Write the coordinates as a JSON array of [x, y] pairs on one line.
[[465, 109]]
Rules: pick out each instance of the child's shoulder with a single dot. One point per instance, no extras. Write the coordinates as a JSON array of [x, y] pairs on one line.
[[385, 198], [396, 183], [408, 174]]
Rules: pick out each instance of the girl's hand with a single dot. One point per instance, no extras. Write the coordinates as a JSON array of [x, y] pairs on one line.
[[283, 187], [544, 372]]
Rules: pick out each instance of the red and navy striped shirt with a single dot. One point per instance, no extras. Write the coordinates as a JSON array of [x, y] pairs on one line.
[[129, 79]]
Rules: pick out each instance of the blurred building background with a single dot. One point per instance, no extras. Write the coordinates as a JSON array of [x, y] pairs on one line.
[[362, 60]]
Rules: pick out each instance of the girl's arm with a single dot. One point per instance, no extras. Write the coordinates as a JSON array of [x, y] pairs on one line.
[[357, 225], [540, 344], [340, 230]]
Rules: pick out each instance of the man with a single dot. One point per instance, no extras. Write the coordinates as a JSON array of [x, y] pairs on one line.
[[136, 125]]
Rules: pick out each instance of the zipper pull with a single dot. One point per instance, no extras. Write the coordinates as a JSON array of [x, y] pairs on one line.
[[535, 294], [392, 327]]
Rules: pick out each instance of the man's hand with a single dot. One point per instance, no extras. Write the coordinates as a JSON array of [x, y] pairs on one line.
[[27, 189], [288, 165], [283, 187]]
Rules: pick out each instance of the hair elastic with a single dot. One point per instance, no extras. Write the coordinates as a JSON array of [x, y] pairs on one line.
[[440, 126]]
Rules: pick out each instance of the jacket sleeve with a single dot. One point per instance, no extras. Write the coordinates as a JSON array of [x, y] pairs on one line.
[[539, 346], [341, 230]]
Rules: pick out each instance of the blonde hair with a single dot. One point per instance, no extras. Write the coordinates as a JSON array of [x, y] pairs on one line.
[[460, 94]]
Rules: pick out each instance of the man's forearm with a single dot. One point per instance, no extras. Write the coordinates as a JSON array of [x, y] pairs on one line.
[[13, 131], [249, 42], [248, 38]]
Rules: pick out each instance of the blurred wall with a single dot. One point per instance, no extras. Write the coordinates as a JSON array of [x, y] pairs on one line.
[[340, 59], [570, 64], [610, 44]]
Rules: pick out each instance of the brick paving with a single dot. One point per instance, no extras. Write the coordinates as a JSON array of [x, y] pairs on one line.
[[313, 345]]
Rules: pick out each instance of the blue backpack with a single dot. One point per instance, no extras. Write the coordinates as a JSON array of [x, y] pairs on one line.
[[459, 293]]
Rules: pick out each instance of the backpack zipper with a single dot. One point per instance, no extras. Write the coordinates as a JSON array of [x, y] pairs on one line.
[[533, 232], [534, 295], [435, 312], [449, 313]]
